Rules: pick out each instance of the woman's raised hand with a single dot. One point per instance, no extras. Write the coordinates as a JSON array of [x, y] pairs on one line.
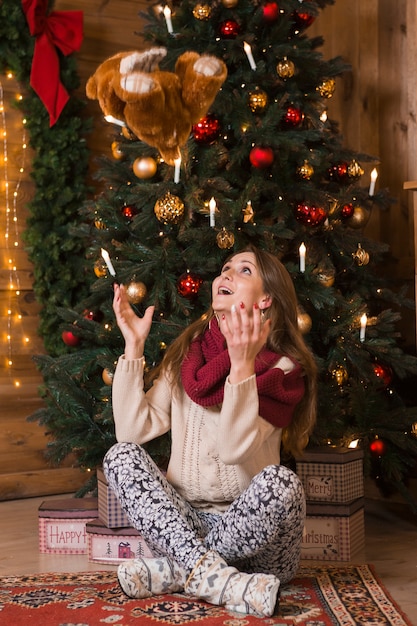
[[135, 330], [245, 336]]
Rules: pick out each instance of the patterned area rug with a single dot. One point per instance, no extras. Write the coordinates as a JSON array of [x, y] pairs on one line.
[[319, 596]]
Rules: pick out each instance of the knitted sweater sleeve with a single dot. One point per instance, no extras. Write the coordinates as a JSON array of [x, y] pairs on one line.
[[242, 432], [139, 417]]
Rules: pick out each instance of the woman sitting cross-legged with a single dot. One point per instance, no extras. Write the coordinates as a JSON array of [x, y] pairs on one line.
[[225, 524]]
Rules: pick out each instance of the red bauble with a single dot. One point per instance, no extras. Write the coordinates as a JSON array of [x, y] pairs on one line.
[[377, 447], [302, 19], [69, 338], [383, 373], [339, 172], [270, 11], [95, 316], [261, 157], [229, 29], [293, 117], [129, 211], [347, 210], [310, 214], [207, 129], [188, 285]]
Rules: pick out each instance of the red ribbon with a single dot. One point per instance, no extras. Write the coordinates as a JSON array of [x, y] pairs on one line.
[[59, 29]]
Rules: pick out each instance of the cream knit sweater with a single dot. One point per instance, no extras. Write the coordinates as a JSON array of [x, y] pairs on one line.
[[215, 451]]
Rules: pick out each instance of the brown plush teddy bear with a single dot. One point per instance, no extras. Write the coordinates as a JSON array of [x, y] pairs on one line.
[[158, 107]]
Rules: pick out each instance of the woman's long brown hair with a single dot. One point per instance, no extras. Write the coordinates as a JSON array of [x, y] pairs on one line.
[[284, 338]]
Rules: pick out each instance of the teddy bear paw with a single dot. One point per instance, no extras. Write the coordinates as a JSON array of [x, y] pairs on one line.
[[137, 83], [208, 65]]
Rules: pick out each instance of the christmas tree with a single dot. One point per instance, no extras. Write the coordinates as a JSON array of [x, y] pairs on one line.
[[264, 166]]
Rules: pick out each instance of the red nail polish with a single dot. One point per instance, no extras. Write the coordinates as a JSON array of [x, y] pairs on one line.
[[256, 305], [242, 306], [223, 316]]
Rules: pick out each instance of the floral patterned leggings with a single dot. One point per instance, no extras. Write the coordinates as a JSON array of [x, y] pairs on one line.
[[261, 531]]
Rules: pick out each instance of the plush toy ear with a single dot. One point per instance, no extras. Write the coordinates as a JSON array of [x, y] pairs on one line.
[[100, 86]]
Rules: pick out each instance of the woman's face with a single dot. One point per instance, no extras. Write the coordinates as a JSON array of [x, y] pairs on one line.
[[239, 281]]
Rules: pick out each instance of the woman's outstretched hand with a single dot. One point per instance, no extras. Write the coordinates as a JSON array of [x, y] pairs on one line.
[[245, 336], [135, 330]]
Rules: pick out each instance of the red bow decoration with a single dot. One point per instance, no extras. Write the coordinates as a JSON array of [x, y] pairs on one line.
[[59, 29]]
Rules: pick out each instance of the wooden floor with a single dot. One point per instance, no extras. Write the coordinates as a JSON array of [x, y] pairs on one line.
[[391, 546]]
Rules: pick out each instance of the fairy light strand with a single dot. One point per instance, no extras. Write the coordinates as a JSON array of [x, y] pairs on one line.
[[11, 232]]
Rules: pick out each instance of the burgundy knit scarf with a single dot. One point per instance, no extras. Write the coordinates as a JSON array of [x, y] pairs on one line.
[[207, 365]]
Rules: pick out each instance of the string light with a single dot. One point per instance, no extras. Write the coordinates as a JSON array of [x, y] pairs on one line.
[[10, 185]]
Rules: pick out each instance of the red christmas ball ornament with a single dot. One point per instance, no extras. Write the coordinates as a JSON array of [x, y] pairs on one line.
[[207, 129], [270, 11], [129, 211], [229, 29], [383, 373], [339, 172], [261, 157], [189, 284], [310, 214], [69, 338], [293, 117], [377, 447], [347, 210], [303, 19], [94, 316]]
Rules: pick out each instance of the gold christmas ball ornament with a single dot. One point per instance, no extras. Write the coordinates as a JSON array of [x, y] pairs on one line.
[[100, 268], [360, 256], [327, 88], [258, 100], [355, 170], [359, 217], [340, 375], [202, 11], [230, 4], [136, 292], [99, 224], [304, 321], [116, 150], [144, 167], [285, 68], [306, 170], [225, 239], [325, 277], [169, 209], [107, 376]]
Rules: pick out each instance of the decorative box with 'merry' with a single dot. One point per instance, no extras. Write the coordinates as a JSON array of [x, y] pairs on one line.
[[114, 545], [333, 532], [331, 475], [109, 509], [62, 525]]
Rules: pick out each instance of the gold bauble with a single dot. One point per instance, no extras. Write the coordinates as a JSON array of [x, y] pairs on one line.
[[116, 150], [169, 209], [136, 292], [107, 376], [305, 170], [99, 224], [327, 87], [359, 217], [100, 268], [144, 167], [304, 321], [258, 99], [360, 256], [202, 11], [325, 277], [355, 170], [340, 374], [230, 4], [285, 68], [225, 239]]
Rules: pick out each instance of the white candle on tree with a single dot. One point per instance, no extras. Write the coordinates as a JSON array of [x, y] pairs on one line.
[[212, 207], [374, 176], [108, 262], [249, 54], [364, 320], [167, 15]]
